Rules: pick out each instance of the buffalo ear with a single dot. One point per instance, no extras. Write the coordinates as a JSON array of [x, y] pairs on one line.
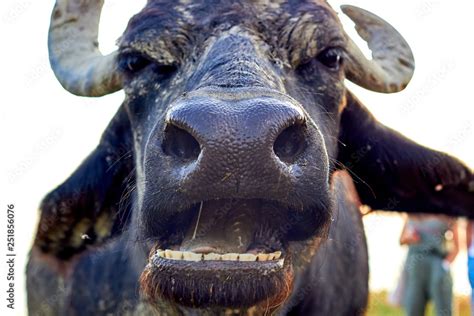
[[92, 205], [392, 172]]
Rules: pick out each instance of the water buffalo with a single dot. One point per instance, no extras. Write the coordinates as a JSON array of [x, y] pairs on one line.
[[223, 185]]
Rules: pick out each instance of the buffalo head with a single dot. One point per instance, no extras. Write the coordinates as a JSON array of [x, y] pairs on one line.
[[218, 165]]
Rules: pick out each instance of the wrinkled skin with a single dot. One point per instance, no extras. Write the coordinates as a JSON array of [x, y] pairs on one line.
[[246, 121]]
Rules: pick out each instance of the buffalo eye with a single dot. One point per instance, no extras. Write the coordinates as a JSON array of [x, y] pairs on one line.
[[331, 58], [132, 63]]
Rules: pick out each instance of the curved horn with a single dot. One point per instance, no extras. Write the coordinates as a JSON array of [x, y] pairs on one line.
[[392, 64], [73, 49]]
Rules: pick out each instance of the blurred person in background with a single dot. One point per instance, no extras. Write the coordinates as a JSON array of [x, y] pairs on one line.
[[428, 263], [470, 259]]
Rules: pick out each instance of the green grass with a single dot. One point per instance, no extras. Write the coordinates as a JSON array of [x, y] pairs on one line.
[[378, 306]]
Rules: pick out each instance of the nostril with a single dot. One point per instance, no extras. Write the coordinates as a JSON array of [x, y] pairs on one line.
[[290, 143], [180, 144]]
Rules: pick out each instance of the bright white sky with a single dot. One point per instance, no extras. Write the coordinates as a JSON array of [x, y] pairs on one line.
[[46, 132]]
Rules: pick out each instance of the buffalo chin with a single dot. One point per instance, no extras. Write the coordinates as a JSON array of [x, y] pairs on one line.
[[220, 283]]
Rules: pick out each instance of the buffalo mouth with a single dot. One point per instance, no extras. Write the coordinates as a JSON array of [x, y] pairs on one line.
[[225, 253]]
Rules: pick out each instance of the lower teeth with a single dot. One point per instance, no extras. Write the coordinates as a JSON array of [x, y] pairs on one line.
[[191, 256]]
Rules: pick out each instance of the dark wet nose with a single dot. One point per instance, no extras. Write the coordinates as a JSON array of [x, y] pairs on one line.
[[234, 136]]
